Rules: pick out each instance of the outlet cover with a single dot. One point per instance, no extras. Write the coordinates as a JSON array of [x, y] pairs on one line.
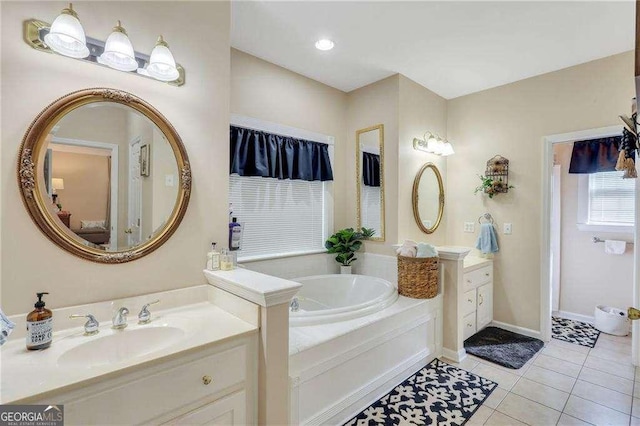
[[470, 227], [507, 229]]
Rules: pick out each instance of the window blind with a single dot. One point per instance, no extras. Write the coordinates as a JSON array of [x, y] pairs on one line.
[[279, 216], [611, 198]]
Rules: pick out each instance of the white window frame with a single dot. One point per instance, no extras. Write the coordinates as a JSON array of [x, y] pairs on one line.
[[270, 127], [583, 212]]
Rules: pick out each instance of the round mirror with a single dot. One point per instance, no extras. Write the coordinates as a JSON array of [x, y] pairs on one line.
[[428, 198], [104, 175]]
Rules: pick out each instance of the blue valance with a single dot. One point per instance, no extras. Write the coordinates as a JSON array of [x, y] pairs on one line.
[[370, 169], [257, 153], [595, 155]]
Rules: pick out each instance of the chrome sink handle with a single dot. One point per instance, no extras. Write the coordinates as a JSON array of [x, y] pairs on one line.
[[145, 316], [120, 319], [92, 325], [295, 305]]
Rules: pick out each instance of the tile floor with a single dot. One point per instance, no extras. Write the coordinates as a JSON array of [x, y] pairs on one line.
[[563, 384]]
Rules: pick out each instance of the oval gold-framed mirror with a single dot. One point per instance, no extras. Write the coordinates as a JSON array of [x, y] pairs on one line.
[[428, 198], [129, 191]]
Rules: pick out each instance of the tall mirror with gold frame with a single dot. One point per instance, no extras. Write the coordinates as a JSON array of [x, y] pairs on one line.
[[104, 175], [428, 198], [370, 179]]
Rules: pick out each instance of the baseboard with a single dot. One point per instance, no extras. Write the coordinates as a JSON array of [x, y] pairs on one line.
[[456, 356], [575, 317], [516, 329]]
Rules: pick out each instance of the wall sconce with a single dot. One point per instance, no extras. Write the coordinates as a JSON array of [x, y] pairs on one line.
[[66, 37], [434, 145]]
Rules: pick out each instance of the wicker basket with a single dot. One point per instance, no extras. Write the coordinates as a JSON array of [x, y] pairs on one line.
[[418, 277]]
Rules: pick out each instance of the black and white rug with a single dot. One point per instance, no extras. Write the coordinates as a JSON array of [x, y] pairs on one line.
[[438, 394], [572, 331], [503, 347]]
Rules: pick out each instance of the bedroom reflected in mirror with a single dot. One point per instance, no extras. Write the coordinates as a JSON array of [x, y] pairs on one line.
[[370, 179], [111, 176]]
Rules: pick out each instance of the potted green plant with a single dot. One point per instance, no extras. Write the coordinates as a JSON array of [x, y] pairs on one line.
[[345, 243]]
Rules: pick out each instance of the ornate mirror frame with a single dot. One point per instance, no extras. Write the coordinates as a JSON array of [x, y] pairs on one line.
[[30, 171], [414, 198], [380, 129]]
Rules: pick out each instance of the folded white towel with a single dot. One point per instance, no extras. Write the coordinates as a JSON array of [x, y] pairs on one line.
[[615, 247], [407, 251]]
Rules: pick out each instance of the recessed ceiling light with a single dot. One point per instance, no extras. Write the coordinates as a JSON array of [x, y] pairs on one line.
[[324, 44]]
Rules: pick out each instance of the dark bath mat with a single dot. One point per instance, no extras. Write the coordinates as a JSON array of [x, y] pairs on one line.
[[511, 350]]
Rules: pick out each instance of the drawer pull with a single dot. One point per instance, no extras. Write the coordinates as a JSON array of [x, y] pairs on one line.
[[469, 281], [469, 300], [469, 325], [206, 380], [487, 274], [481, 299]]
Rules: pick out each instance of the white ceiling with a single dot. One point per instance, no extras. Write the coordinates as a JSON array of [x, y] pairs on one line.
[[453, 48]]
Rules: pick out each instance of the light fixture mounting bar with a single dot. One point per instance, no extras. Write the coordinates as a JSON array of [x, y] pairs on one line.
[[35, 30]]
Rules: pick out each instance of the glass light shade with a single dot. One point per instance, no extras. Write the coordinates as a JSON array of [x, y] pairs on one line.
[[118, 51], [447, 149], [439, 148], [66, 35], [162, 66], [432, 144]]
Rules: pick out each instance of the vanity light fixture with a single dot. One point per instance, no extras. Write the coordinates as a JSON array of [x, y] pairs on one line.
[[324, 44], [66, 35], [118, 51], [433, 145], [161, 66]]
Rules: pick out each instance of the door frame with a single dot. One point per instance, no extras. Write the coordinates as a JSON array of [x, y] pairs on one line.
[[545, 244], [113, 193]]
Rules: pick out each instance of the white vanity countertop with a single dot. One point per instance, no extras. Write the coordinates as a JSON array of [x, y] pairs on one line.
[[30, 374], [472, 263]]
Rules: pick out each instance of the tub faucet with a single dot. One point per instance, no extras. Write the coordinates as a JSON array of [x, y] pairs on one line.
[[120, 319], [295, 305]]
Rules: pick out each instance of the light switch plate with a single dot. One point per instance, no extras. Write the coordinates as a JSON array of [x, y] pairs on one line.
[[506, 228], [470, 227]]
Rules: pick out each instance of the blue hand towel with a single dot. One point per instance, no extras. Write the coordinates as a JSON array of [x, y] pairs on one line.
[[426, 250], [487, 240]]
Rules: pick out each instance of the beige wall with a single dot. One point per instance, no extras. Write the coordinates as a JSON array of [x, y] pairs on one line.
[[199, 110], [588, 276], [512, 120], [368, 106], [86, 185], [265, 91], [421, 110]]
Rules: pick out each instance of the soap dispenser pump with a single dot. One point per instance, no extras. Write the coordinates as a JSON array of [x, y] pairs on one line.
[[39, 326]]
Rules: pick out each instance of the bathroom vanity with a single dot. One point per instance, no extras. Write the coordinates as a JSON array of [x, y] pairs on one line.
[[195, 362], [477, 298]]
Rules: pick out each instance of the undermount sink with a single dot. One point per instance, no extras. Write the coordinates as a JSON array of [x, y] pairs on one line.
[[120, 346]]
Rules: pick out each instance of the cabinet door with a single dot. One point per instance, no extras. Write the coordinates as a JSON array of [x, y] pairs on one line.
[[469, 325], [485, 305], [226, 411]]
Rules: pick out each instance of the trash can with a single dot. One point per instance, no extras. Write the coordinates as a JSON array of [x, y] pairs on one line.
[[611, 320]]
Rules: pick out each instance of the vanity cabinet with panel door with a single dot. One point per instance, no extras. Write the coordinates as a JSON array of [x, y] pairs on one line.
[[217, 385], [477, 295]]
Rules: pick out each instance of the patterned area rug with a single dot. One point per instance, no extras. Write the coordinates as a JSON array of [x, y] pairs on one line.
[[577, 332], [438, 394]]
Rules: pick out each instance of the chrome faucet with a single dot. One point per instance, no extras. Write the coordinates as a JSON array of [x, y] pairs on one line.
[[92, 325], [145, 316], [295, 305], [120, 319]]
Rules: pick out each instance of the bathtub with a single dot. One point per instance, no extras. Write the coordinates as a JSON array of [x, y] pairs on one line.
[[332, 298]]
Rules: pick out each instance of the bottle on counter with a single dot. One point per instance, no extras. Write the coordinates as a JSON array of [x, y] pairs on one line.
[[213, 258], [235, 234], [39, 326], [226, 260]]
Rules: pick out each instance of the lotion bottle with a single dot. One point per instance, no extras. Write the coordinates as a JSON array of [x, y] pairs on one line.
[[226, 260], [213, 258], [39, 326]]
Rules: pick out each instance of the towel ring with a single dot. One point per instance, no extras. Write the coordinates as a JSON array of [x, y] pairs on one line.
[[487, 217]]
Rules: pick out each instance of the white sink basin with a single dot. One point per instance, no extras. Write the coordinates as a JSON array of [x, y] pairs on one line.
[[120, 346]]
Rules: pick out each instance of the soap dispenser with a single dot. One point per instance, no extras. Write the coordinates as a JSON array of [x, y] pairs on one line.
[[213, 258], [39, 326]]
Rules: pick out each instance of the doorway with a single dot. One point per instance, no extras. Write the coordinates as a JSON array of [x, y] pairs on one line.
[[569, 295]]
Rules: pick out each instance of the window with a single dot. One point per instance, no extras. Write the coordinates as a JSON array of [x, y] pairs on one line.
[[280, 217], [606, 202]]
